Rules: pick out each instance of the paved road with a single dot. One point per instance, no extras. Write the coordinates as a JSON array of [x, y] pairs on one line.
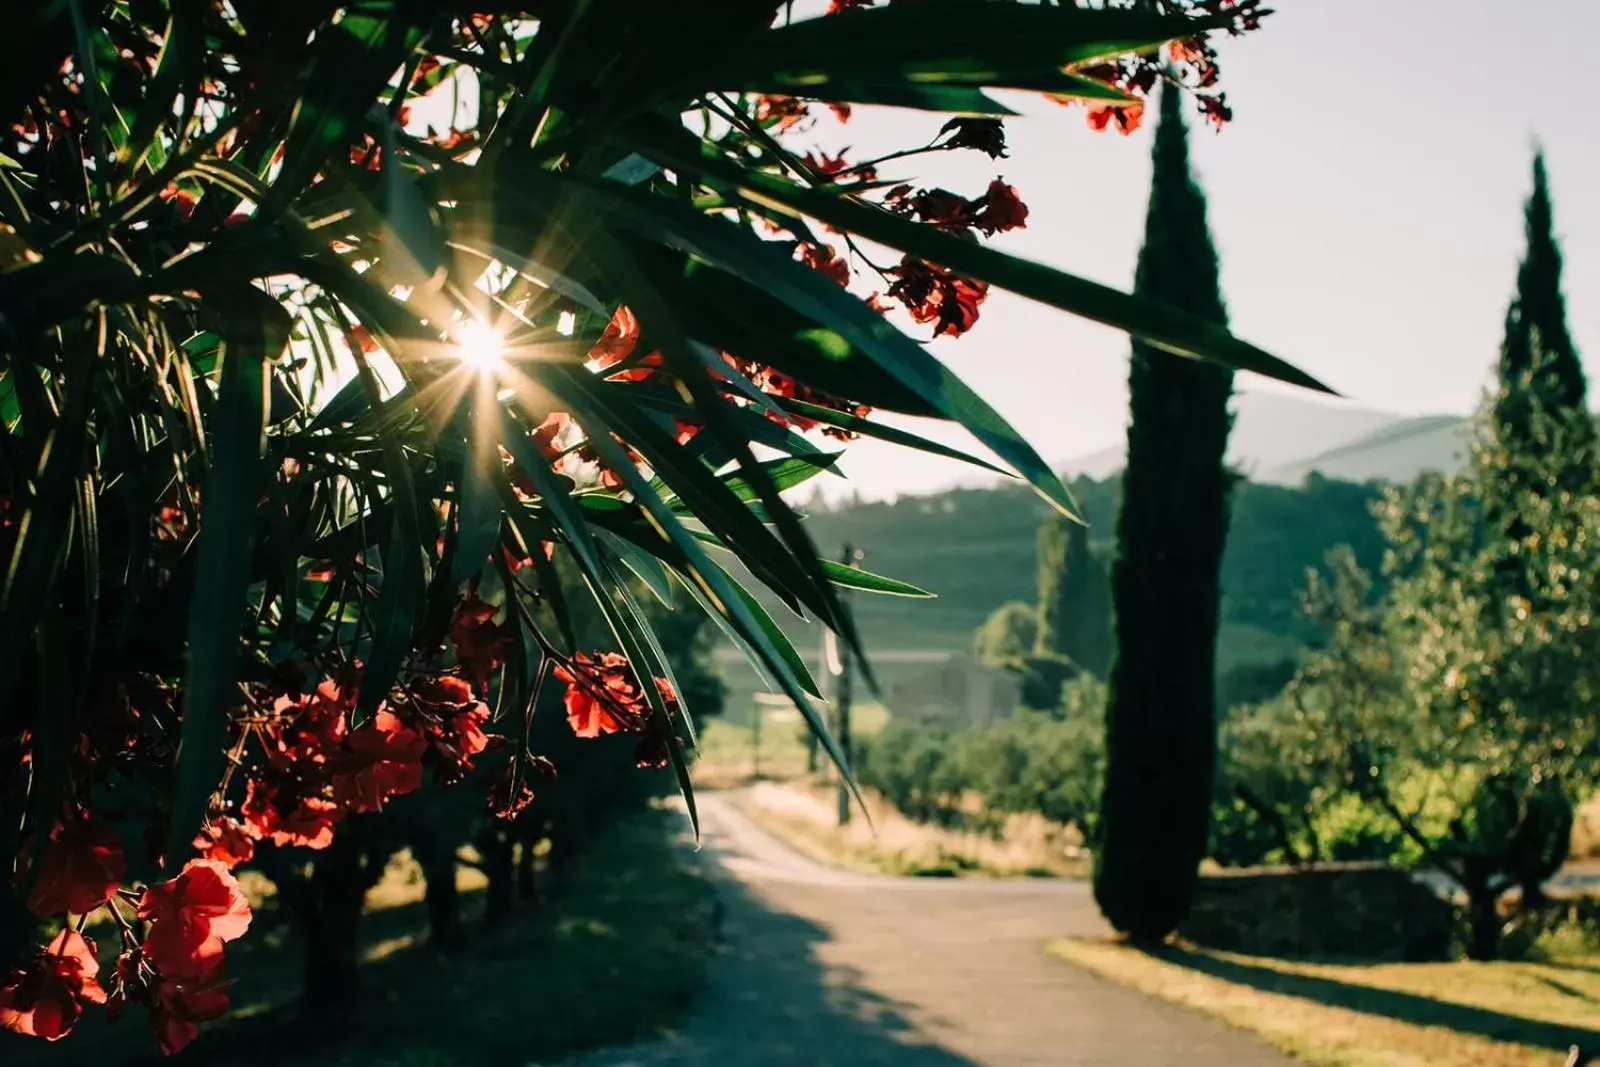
[[826, 967]]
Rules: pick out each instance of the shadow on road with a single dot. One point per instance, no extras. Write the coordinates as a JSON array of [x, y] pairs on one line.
[[1406, 1007], [774, 1000]]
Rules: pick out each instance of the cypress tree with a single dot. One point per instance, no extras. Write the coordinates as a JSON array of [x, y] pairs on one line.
[[1161, 734], [1074, 597], [1538, 350]]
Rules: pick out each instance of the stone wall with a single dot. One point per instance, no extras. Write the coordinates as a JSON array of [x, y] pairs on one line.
[[1366, 911]]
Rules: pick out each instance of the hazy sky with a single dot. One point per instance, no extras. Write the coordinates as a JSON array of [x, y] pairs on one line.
[[1366, 202]]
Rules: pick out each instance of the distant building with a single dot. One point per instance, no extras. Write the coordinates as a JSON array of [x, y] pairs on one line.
[[959, 691]]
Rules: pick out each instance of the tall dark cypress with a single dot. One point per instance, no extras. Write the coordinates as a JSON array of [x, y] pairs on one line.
[[1161, 734], [1074, 597], [1536, 323]]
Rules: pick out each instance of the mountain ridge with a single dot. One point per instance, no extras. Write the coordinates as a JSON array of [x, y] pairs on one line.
[[1281, 439]]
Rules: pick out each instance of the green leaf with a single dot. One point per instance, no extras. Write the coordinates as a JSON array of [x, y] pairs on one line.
[[478, 514], [1162, 326], [720, 591], [868, 428], [785, 473], [950, 98], [60, 692], [763, 266], [842, 575], [756, 426], [37, 555], [773, 633], [940, 42], [405, 576], [645, 567], [10, 408], [413, 248], [646, 650], [177, 72], [259, 332], [352, 60], [855, 578], [712, 502]]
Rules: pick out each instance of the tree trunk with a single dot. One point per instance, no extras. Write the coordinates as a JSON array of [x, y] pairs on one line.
[[332, 921], [494, 846], [1483, 923], [437, 858], [527, 872]]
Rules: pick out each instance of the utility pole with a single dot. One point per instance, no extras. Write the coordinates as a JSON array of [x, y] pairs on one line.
[[850, 558], [755, 738], [824, 656]]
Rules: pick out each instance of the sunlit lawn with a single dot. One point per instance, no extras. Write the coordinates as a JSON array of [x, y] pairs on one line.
[[1459, 1014]]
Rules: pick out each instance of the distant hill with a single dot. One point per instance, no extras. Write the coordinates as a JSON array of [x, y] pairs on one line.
[[1279, 439], [1396, 452], [975, 549]]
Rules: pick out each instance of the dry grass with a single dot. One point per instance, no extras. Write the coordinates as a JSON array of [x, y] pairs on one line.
[[1460, 1014], [804, 815]]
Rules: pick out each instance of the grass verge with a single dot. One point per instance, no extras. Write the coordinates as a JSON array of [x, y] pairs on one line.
[[1458, 1014], [803, 816]]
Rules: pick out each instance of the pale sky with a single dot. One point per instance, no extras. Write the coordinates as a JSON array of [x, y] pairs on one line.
[[1366, 202]]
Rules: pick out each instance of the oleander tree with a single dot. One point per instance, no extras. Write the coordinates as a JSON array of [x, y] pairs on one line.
[[330, 328]]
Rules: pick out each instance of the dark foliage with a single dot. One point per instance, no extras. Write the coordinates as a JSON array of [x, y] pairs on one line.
[[1171, 528]]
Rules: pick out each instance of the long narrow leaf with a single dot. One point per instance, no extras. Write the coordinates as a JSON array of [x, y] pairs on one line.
[[227, 530], [719, 589], [1167, 328], [764, 266]]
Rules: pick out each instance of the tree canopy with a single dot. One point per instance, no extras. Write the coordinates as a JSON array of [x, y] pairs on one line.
[[330, 329]]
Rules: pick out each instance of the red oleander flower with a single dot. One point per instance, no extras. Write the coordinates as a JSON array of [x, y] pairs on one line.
[[782, 112], [587, 714], [999, 209], [933, 294], [308, 732], [81, 866], [617, 341], [1127, 119], [365, 342], [834, 166], [191, 916], [1216, 109], [654, 750], [936, 207], [511, 793], [286, 819], [386, 760], [825, 259], [45, 998], [182, 199], [544, 437], [601, 696], [178, 1006], [226, 840], [480, 642], [984, 135], [454, 720]]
